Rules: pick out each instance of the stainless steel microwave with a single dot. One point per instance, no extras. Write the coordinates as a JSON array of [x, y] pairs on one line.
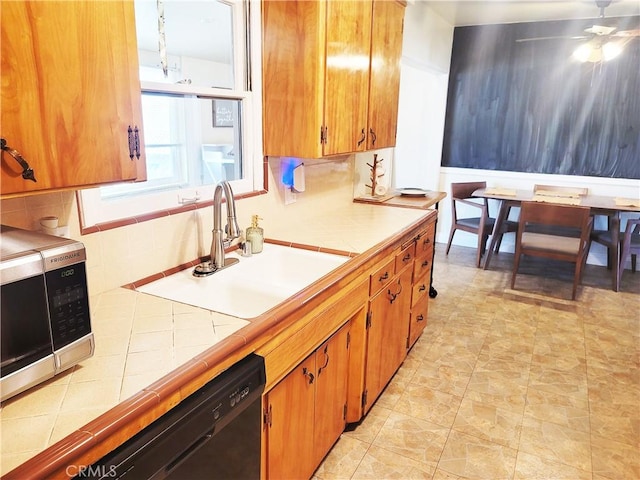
[[45, 321]]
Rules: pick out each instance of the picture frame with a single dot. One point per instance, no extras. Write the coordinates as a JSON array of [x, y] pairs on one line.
[[222, 113]]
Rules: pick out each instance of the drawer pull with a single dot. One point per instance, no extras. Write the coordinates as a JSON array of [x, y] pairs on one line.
[[383, 277], [406, 258], [420, 318], [425, 263], [422, 288]]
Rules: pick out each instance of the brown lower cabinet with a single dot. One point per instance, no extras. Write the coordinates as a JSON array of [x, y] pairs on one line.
[[309, 403], [338, 383], [387, 333]]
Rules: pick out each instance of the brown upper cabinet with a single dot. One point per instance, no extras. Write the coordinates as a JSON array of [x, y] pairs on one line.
[[331, 76], [71, 104]]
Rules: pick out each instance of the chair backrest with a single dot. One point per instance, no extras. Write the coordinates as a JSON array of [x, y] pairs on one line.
[[632, 235], [465, 189], [555, 215], [569, 191]]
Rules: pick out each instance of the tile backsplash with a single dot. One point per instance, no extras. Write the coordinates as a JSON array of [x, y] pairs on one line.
[[122, 255]]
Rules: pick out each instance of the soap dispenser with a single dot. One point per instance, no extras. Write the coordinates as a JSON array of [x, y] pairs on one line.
[[255, 235]]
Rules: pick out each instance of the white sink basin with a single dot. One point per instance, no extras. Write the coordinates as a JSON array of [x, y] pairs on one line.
[[252, 286]]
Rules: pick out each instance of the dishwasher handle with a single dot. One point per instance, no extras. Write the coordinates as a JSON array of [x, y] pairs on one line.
[[190, 450]]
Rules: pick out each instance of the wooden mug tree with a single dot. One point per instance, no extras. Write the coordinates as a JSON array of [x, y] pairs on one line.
[[374, 173]]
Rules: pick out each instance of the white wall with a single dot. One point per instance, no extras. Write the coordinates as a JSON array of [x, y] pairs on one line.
[[425, 65], [426, 51]]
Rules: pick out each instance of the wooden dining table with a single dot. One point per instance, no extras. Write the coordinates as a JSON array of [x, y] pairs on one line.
[[599, 205]]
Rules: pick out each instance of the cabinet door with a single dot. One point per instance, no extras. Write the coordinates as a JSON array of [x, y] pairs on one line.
[[293, 62], [347, 75], [289, 436], [332, 363], [387, 334], [384, 90], [70, 91]]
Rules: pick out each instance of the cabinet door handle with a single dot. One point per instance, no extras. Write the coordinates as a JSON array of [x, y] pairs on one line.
[[373, 137], [326, 360], [307, 373], [27, 171], [392, 296], [362, 138], [136, 141], [132, 142]]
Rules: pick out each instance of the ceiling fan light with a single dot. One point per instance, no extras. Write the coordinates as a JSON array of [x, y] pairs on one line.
[[611, 50], [583, 52]]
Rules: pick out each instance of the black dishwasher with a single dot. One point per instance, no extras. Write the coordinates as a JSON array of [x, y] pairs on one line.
[[212, 434]]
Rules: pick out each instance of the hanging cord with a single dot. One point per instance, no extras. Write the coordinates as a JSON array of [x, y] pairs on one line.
[[162, 41]]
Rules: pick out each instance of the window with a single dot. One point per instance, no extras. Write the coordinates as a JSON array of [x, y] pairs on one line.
[[200, 103]]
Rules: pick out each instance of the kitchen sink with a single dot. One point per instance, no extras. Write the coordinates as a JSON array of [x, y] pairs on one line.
[[252, 286]]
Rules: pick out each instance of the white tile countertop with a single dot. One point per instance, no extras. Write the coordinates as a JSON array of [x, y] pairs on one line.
[[140, 338]]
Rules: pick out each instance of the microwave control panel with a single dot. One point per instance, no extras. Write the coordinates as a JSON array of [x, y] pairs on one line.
[[68, 304]]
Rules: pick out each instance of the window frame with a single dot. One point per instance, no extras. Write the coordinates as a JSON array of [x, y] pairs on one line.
[[98, 214]]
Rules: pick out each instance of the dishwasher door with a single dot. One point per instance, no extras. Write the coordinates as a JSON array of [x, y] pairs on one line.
[[212, 434]]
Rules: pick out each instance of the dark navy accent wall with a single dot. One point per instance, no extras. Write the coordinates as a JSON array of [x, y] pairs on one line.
[[529, 107]]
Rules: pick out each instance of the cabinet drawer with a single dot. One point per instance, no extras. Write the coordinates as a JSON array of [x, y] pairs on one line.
[[405, 257], [418, 319], [420, 289], [424, 244], [381, 277], [422, 266]]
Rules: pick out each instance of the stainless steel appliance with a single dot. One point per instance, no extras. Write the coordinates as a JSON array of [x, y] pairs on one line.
[[45, 323], [212, 434]]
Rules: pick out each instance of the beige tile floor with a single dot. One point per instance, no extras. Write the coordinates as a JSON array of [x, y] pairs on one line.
[[513, 384]]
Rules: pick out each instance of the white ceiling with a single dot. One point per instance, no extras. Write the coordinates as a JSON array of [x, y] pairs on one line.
[[480, 12]]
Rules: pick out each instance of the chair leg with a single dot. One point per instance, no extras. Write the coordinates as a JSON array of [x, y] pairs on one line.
[[624, 254], [482, 246], [516, 264], [576, 278], [453, 230], [633, 262], [498, 243]]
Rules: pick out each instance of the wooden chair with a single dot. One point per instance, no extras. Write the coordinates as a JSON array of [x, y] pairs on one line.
[[539, 216], [480, 225], [604, 237], [630, 245]]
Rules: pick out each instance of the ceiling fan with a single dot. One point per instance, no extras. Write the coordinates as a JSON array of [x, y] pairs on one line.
[[603, 42]]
